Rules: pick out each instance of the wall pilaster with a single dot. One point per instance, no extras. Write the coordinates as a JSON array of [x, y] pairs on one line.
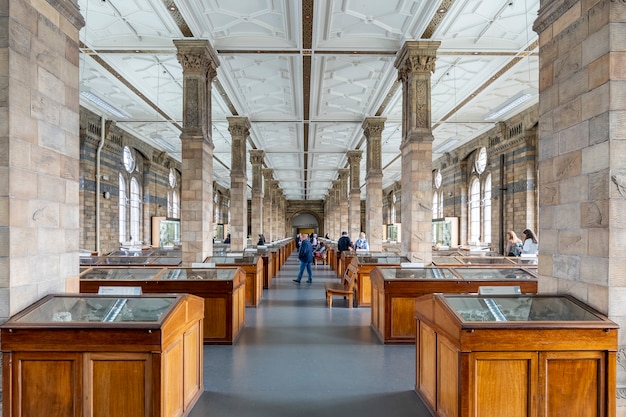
[[354, 205]]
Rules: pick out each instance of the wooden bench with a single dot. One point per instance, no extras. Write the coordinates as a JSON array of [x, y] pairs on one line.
[[323, 259], [345, 288]]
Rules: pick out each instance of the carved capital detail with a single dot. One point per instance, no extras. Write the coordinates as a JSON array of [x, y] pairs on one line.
[[70, 10]]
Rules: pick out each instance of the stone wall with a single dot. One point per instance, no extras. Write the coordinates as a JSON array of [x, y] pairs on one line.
[[153, 168]]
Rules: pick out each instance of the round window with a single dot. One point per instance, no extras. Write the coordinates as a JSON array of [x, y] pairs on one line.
[[437, 179], [172, 178], [481, 160], [129, 159]]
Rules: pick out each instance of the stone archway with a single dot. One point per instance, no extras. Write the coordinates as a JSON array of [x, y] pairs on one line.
[[306, 221]]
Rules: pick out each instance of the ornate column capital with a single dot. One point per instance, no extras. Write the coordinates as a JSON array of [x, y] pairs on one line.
[[239, 128], [373, 129], [416, 57], [354, 158], [197, 56], [256, 156]]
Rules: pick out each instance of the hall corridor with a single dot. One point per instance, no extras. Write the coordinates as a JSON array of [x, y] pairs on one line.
[[297, 357]]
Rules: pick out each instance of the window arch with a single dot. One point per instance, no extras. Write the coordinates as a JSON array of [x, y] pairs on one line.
[[487, 209], [173, 199], [175, 205], [437, 195], [122, 203], [135, 210], [474, 210]]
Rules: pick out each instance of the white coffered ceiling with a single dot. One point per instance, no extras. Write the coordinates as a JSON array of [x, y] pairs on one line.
[[307, 73]]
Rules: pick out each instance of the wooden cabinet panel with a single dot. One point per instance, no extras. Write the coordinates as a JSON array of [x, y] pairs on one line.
[[118, 384], [215, 322], [427, 358], [192, 365], [505, 384], [447, 391], [575, 385], [402, 321], [60, 374]]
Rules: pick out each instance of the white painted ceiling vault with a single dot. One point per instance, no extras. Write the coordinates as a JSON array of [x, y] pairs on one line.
[[307, 73]]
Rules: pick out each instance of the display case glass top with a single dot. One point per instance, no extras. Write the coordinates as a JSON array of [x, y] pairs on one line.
[[387, 259], [417, 273], [485, 260], [530, 308], [472, 273], [166, 260], [125, 260], [121, 273], [220, 274], [446, 260], [93, 308], [232, 260]]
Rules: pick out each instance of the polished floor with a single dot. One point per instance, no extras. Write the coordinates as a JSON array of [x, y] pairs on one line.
[[297, 357]]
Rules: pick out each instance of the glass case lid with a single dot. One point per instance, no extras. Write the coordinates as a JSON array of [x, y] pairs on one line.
[[130, 274], [533, 308], [369, 259], [220, 274], [125, 260], [232, 260], [472, 273], [446, 260], [485, 260], [93, 308], [166, 260], [417, 273], [91, 260]]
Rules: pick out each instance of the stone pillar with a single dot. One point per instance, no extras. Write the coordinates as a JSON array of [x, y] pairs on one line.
[[256, 218], [373, 129], [343, 199], [267, 204], [239, 128], [354, 209], [280, 212], [275, 210], [582, 168], [335, 216], [199, 62], [415, 63], [39, 152]]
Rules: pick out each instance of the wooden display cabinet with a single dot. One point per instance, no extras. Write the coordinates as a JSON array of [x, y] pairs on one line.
[[222, 289], [366, 264], [524, 355], [394, 291], [252, 266], [98, 356]]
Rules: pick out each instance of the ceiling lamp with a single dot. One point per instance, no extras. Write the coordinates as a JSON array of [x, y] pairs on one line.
[[509, 105], [104, 105]]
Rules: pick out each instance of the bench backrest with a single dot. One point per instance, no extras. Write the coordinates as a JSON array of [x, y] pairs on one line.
[[349, 277]]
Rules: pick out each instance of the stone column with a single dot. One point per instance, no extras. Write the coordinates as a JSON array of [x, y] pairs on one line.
[[239, 128], [275, 210], [343, 199], [373, 129], [415, 63], [335, 216], [354, 210], [582, 168], [267, 204], [280, 212], [256, 217], [39, 152], [199, 62]]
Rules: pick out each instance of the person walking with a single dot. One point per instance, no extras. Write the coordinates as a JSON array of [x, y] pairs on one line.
[[305, 255]]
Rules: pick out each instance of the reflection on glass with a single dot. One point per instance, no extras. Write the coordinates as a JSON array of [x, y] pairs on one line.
[[493, 273], [232, 260], [200, 273], [122, 273], [99, 309], [417, 273], [487, 309]]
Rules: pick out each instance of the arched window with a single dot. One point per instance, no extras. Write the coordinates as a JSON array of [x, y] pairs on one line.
[[122, 203], [135, 210], [173, 200], [435, 204], [175, 205], [474, 211], [437, 195], [487, 209]]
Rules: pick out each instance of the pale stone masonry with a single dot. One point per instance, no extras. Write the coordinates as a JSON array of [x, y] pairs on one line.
[[199, 62], [239, 128], [39, 151], [354, 208], [582, 168], [343, 199], [415, 64], [373, 130], [267, 205], [256, 203]]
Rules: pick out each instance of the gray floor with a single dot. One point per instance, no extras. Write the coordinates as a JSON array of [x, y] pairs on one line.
[[297, 357]]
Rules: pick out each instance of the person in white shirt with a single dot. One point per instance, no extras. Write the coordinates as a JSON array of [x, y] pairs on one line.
[[531, 244]]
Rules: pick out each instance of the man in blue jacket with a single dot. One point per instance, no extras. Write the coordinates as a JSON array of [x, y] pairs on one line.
[[305, 254]]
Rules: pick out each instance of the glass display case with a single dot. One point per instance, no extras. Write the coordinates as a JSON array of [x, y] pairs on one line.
[[222, 289], [446, 232], [75, 353], [514, 355], [252, 266], [365, 264], [394, 291]]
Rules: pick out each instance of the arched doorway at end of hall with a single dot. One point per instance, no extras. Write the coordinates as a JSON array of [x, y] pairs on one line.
[[304, 223]]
